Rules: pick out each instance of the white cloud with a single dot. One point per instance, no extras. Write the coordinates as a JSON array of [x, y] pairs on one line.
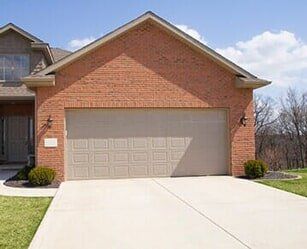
[[192, 32], [79, 43], [280, 57]]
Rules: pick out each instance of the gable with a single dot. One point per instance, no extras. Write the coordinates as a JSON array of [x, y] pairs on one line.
[[149, 16], [13, 42], [145, 49], [20, 31], [146, 65]]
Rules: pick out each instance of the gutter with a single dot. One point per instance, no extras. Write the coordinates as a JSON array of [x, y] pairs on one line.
[[253, 83], [39, 81]]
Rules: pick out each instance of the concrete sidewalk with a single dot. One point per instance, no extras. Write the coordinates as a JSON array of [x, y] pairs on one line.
[[190, 212]]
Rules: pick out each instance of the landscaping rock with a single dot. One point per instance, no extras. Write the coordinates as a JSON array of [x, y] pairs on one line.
[[278, 175]]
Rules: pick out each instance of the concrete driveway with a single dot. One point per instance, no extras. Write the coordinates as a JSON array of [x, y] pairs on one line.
[[190, 212]]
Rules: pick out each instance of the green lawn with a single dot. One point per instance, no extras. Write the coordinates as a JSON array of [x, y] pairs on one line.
[[295, 186], [19, 219]]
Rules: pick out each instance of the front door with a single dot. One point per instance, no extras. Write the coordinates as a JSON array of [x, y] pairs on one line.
[[18, 137]]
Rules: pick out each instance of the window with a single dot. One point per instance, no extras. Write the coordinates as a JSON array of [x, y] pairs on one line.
[[14, 67]]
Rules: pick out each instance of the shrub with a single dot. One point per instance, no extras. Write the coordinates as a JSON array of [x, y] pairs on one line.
[[255, 168], [41, 176]]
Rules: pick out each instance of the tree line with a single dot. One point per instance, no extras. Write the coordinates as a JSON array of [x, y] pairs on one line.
[[281, 130]]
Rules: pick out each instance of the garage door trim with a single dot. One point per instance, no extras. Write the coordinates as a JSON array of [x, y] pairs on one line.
[[226, 111]]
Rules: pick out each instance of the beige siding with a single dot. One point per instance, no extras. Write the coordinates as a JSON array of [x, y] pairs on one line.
[[13, 43]]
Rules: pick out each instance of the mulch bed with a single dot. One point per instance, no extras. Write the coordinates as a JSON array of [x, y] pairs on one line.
[[278, 175], [274, 175], [26, 184]]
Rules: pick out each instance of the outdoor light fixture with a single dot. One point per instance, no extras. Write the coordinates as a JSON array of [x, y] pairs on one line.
[[243, 120], [49, 121]]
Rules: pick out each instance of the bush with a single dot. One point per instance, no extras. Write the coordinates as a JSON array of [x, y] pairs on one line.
[[255, 168], [41, 176]]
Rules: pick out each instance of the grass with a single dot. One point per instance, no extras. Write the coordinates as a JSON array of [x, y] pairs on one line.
[[294, 186], [19, 220]]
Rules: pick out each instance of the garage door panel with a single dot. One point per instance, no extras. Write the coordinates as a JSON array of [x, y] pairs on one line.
[[81, 171], [100, 144], [101, 158], [178, 142], [160, 156], [160, 169], [121, 171], [121, 143], [159, 142], [80, 158], [101, 172], [79, 144], [139, 157], [140, 143], [120, 157], [140, 170], [176, 155]]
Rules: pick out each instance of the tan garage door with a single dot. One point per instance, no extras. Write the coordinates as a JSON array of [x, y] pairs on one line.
[[126, 143]]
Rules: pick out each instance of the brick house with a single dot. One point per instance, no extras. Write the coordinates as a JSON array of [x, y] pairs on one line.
[[21, 54], [145, 100]]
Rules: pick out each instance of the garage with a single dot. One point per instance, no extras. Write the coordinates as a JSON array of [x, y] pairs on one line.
[[124, 143]]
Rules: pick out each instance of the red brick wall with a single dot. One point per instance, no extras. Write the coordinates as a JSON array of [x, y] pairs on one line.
[[145, 67]]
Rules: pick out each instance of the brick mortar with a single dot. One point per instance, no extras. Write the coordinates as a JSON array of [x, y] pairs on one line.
[[144, 68]]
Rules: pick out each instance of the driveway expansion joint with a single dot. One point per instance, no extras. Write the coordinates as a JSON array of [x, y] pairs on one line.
[[200, 213]]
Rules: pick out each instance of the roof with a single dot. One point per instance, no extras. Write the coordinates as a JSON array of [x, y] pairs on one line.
[[11, 26], [240, 72], [36, 43], [13, 90], [59, 53]]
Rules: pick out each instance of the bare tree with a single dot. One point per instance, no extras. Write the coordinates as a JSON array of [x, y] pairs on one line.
[[265, 117], [281, 133], [292, 121]]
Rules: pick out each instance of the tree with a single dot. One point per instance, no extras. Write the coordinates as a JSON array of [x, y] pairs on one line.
[[281, 133], [292, 121], [265, 117]]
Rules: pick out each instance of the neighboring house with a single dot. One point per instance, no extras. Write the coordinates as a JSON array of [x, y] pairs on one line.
[[21, 54], [145, 100]]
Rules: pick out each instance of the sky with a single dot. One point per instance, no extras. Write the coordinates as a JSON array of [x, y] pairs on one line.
[[268, 38]]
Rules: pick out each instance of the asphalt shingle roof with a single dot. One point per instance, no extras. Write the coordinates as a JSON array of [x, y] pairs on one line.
[[59, 53]]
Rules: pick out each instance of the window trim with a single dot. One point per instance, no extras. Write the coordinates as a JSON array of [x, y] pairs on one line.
[[16, 54]]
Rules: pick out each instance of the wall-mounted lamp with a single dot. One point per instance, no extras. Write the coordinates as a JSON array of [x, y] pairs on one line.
[[49, 121], [243, 120]]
